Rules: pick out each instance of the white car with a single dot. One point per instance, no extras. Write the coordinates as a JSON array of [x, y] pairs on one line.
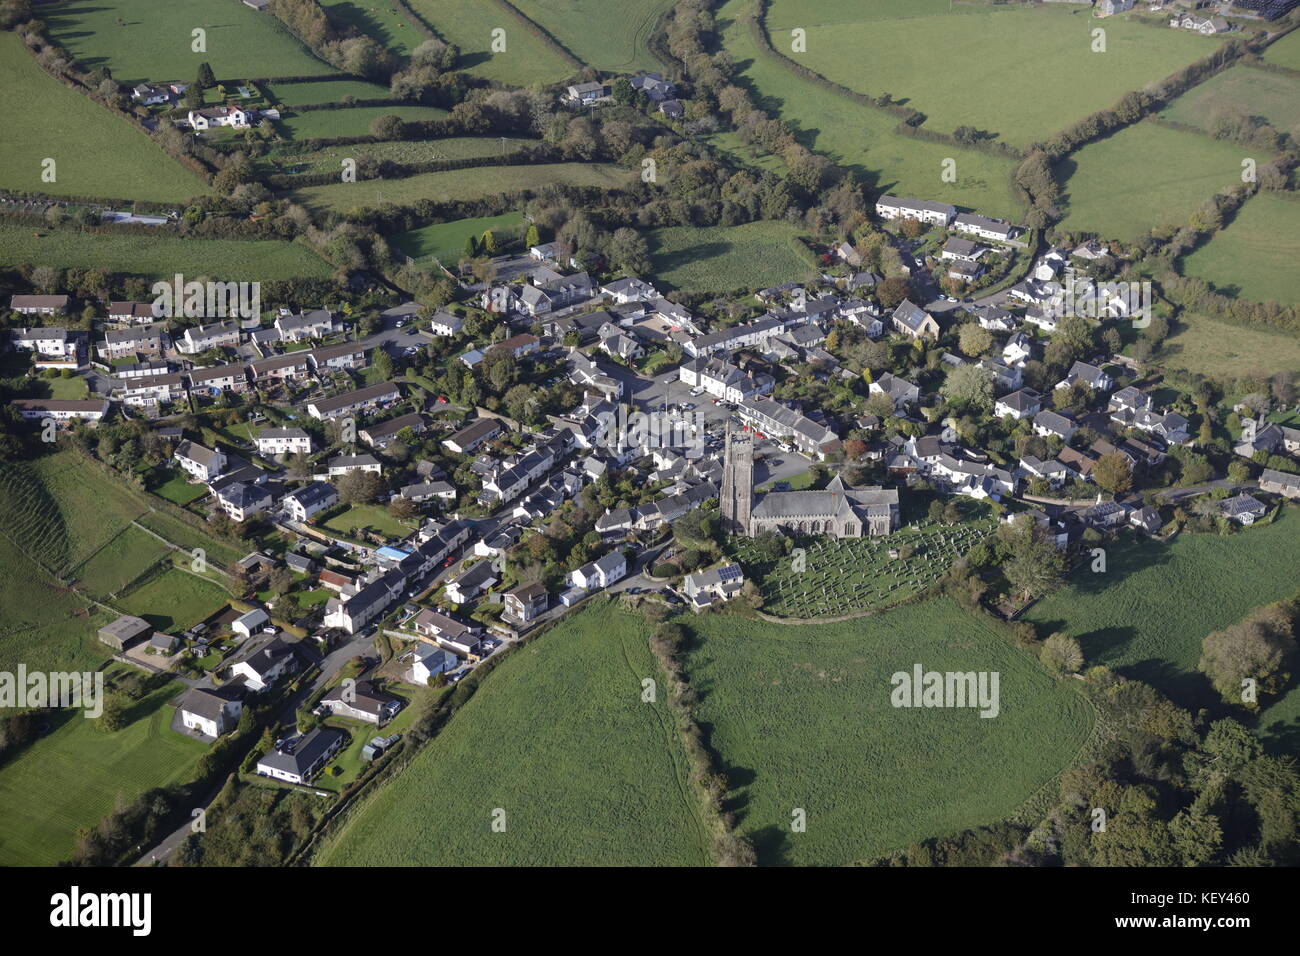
[[400, 323]]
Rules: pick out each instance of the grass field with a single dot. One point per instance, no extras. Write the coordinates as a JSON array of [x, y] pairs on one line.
[[1255, 256], [1285, 52], [802, 719], [379, 19], [1148, 614], [446, 240], [1041, 60], [559, 739], [721, 258], [609, 37], [1110, 193], [174, 600], [182, 535], [1241, 90], [76, 775], [355, 121], [526, 58], [95, 152], [367, 517], [862, 138], [123, 559], [43, 625], [473, 183], [326, 91], [146, 40], [231, 260], [1226, 350], [330, 158]]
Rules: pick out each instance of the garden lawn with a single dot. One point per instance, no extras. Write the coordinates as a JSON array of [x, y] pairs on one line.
[[754, 255], [802, 719], [95, 152], [526, 58], [372, 517], [174, 600], [1256, 256], [558, 738], [446, 240]]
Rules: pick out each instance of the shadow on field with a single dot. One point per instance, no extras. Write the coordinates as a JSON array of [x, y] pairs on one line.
[[772, 846], [1281, 737]]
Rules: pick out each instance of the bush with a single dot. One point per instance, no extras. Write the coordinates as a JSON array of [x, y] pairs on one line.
[[665, 569]]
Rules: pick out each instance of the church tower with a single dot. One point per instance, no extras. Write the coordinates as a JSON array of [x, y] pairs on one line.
[[737, 482]]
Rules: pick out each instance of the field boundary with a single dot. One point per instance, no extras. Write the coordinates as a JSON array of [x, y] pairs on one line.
[[540, 32]]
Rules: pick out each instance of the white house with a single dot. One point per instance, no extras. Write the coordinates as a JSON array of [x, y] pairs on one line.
[[208, 712], [283, 441], [199, 461], [310, 500], [250, 623], [600, 573]]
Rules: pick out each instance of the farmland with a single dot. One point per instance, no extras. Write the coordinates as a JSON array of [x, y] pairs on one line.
[[862, 138], [586, 773], [1285, 52], [610, 37], [1255, 256], [526, 58], [379, 19], [42, 624], [353, 121], [1147, 615], [43, 119], [75, 776], [144, 40], [463, 184], [802, 719], [291, 159], [1110, 194], [174, 600], [723, 258], [1240, 91], [1227, 350], [1039, 59], [123, 559], [326, 91], [446, 240], [161, 256]]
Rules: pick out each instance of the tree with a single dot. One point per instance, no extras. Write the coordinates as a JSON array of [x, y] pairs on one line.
[[205, 80], [403, 509], [892, 291], [388, 126], [489, 243], [968, 387], [1112, 473], [358, 487], [1259, 650], [1033, 566], [532, 237], [880, 405], [623, 92], [974, 340], [1061, 654]]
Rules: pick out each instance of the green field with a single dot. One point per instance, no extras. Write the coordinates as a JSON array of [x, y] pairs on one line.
[[354, 121], [609, 37], [559, 739], [464, 184], [123, 559], [1040, 59], [722, 258], [802, 719], [95, 153], [175, 600], [232, 260], [1255, 256], [1148, 614], [326, 91], [146, 40], [1240, 91], [1144, 176], [409, 152], [1227, 350], [446, 240], [862, 138], [1285, 52], [367, 517], [526, 58], [182, 535], [76, 775], [379, 19]]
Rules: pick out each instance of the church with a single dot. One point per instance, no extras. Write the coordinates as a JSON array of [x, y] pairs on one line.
[[836, 511]]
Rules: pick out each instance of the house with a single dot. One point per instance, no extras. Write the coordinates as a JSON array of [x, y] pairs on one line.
[[310, 500], [654, 86], [1107, 8], [231, 116], [198, 461], [428, 490], [1146, 519], [961, 250], [723, 380], [249, 623], [631, 289], [279, 368], [1053, 472], [381, 435], [309, 755], [847, 254], [201, 337], [361, 700], [349, 355], [151, 390], [769, 417], [148, 340], [46, 342], [449, 632], [346, 464], [519, 345], [912, 320], [350, 402], [39, 304], [1047, 423], [892, 207], [283, 441], [301, 563], [216, 380], [351, 612], [335, 581], [1090, 375], [1025, 403], [600, 573], [1079, 463], [998, 229], [473, 436], [242, 500], [1244, 509], [1279, 483], [717, 584], [524, 603], [446, 323], [673, 109], [210, 712], [468, 585], [133, 313], [587, 94], [1105, 514], [308, 325], [267, 666], [899, 389], [62, 410], [1018, 349], [430, 661], [124, 631]]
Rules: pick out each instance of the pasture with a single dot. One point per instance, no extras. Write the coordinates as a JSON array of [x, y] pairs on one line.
[[802, 718], [753, 255], [119, 562], [1255, 256], [352, 121], [1040, 61], [525, 59], [473, 183], [446, 240], [1226, 350], [1144, 176], [1285, 52], [1240, 91], [76, 775], [379, 19], [143, 40], [42, 624], [174, 600], [609, 37], [1148, 614], [300, 159], [45, 120], [862, 138], [325, 91], [156, 257], [585, 772]]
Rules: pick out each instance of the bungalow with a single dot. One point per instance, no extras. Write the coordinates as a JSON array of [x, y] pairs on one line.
[[962, 250], [361, 700], [468, 585], [519, 345], [1243, 509], [1105, 514], [308, 757], [39, 304], [62, 410], [350, 402], [210, 712], [630, 289], [892, 207], [148, 95], [346, 464], [199, 461], [379, 436], [600, 573], [524, 603], [310, 500], [283, 441], [472, 436], [587, 94], [428, 490], [912, 320]]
